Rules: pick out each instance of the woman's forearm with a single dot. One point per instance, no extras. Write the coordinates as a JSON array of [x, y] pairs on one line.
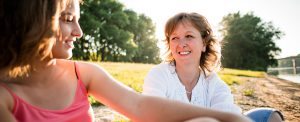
[[160, 109]]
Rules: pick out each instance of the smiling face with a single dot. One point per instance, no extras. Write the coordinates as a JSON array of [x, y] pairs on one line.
[[190, 41], [186, 43], [69, 31]]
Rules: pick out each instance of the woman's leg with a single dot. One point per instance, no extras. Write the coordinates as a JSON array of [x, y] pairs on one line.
[[276, 117], [265, 115]]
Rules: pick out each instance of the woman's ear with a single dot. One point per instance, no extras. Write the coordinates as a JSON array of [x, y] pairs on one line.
[[204, 48]]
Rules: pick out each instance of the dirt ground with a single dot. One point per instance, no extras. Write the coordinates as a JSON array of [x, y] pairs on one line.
[[270, 92], [267, 92]]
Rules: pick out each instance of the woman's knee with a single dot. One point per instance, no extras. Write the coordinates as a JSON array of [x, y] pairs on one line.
[[276, 117], [265, 115], [203, 119]]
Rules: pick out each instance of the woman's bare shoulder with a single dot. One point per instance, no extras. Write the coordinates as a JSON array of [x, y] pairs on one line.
[[81, 65], [6, 105], [6, 98], [89, 66], [90, 70]]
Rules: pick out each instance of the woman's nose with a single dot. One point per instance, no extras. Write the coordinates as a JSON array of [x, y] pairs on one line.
[[77, 32], [182, 42]]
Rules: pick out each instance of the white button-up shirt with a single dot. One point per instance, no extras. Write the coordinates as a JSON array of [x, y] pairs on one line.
[[209, 92]]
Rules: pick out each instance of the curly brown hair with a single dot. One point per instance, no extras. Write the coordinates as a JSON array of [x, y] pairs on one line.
[[210, 59], [29, 29]]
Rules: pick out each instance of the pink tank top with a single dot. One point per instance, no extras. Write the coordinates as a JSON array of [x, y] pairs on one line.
[[79, 111]]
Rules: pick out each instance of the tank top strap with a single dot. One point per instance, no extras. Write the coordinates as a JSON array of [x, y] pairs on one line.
[[77, 70], [79, 81]]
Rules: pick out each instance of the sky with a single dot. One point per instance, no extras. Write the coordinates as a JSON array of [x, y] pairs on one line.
[[284, 14]]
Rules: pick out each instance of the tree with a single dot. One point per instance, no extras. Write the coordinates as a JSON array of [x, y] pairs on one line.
[[144, 30], [249, 42], [105, 37], [112, 33]]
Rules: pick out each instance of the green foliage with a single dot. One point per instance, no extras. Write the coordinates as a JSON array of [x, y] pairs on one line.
[[249, 42], [105, 38], [112, 33], [144, 31]]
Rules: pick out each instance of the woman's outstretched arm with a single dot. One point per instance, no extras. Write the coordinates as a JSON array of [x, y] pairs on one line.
[[139, 107]]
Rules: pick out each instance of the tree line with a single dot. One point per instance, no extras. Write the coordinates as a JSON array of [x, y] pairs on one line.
[[114, 33]]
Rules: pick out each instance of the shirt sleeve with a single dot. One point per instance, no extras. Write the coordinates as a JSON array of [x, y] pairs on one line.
[[222, 99], [155, 83]]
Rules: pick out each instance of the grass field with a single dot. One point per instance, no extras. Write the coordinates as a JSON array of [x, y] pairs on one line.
[[132, 74]]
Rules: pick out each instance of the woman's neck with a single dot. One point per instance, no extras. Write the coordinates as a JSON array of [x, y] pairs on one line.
[[36, 66], [46, 63], [39, 69], [187, 73]]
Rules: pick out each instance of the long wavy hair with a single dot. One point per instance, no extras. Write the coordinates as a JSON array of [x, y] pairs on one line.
[[29, 30], [210, 59]]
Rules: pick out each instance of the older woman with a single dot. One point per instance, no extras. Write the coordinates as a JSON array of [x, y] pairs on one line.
[[188, 72]]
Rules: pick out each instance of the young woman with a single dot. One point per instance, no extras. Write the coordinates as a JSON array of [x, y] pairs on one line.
[[39, 84]]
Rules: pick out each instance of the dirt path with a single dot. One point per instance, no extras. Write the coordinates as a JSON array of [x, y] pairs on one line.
[[267, 92], [271, 92]]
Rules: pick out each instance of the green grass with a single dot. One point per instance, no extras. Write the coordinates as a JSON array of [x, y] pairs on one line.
[[232, 76], [131, 74], [230, 79], [246, 73]]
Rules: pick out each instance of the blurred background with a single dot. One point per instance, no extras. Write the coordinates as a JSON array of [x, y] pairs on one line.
[[261, 55], [258, 35]]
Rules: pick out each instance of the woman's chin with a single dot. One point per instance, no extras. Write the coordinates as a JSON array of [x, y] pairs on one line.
[[64, 55], [69, 56]]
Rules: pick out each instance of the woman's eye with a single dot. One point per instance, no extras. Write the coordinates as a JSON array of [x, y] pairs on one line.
[[174, 38], [68, 18], [189, 36]]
